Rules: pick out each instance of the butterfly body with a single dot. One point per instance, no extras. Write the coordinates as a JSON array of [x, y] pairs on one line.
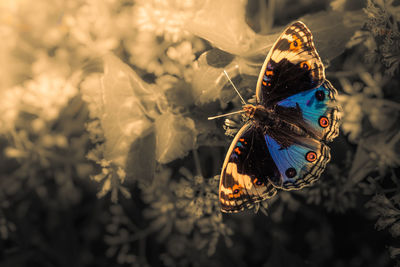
[[283, 143], [269, 121]]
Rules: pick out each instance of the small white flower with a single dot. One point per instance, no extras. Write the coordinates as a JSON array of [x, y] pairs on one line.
[[182, 53], [94, 25], [165, 18]]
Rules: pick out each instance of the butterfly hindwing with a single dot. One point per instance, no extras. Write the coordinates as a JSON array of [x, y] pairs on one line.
[[247, 171], [320, 113], [292, 66], [299, 164]]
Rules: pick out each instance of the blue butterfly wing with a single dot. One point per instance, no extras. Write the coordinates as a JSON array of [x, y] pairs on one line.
[[319, 109], [299, 164], [302, 162]]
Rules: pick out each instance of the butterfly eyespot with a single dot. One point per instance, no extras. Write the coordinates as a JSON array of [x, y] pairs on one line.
[[323, 121], [320, 95], [304, 65], [296, 44], [311, 156], [236, 190], [291, 172], [257, 182]]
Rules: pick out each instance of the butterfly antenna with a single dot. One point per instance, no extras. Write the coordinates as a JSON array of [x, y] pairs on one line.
[[234, 87], [241, 98], [226, 114]]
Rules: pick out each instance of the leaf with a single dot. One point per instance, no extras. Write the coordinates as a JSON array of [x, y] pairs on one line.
[[218, 58], [331, 31], [180, 94], [175, 135], [140, 162], [361, 167], [207, 81], [123, 119], [383, 206], [222, 22], [126, 107]]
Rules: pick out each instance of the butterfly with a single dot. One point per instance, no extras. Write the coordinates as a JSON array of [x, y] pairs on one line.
[[283, 143]]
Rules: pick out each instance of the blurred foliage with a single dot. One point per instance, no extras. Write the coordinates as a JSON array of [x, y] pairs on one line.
[[108, 159]]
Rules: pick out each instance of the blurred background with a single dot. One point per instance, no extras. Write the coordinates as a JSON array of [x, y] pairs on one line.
[[108, 159]]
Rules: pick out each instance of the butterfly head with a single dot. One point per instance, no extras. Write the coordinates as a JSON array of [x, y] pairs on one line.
[[249, 110]]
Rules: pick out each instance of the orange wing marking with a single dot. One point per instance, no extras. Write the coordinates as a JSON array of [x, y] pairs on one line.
[[295, 44]]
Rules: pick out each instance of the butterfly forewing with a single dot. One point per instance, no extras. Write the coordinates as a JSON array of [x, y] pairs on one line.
[[292, 66]]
